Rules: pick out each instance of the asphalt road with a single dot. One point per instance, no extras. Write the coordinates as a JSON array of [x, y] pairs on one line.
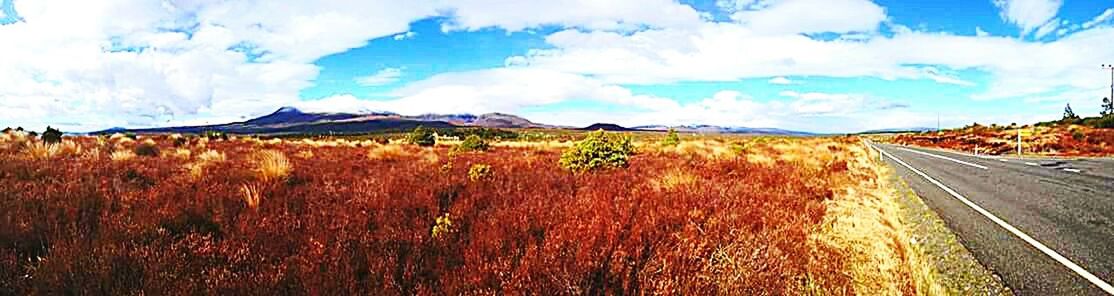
[[1064, 206]]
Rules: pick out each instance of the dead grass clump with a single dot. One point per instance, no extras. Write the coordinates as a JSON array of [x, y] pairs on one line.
[[251, 195], [271, 165], [182, 153], [211, 156], [673, 179], [389, 151], [122, 155]]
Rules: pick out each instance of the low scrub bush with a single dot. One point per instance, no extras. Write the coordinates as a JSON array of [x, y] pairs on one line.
[[147, 148], [422, 136], [473, 143], [599, 150], [671, 138], [479, 172]]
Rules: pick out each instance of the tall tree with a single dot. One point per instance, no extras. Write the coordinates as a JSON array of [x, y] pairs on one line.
[[1069, 115], [1107, 106]]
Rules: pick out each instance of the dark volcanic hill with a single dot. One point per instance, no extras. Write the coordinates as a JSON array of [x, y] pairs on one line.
[[608, 127]]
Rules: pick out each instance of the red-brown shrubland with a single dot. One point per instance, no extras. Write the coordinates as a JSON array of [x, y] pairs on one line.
[[410, 221]]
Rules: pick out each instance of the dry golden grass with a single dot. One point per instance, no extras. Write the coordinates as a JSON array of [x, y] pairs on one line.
[[182, 153], [864, 220], [540, 145], [389, 151], [122, 155], [304, 154], [41, 151], [271, 165], [673, 179], [251, 195], [211, 156]]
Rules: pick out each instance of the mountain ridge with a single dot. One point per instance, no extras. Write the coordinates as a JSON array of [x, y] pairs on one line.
[[291, 120]]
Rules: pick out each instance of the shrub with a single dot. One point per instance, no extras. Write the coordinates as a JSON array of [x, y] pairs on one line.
[[479, 172], [422, 136], [1077, 135], [671, 138], [473, 143], [599, 150], [52, 136], [147, 148]]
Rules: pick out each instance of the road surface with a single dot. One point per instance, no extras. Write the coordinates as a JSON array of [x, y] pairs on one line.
[[1046, 226]]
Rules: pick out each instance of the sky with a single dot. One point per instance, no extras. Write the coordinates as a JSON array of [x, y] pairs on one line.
[[827, 66]]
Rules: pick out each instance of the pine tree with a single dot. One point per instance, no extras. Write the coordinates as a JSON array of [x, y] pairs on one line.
[[1069, 115], [1107, 106]]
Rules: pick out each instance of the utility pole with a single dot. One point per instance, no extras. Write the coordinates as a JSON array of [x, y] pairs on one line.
[[1111, 68]]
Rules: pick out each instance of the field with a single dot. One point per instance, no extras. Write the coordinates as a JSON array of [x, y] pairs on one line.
[[1056, 140], [189, 215]]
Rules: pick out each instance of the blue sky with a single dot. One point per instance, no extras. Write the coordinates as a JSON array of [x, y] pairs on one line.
[[813, 65]]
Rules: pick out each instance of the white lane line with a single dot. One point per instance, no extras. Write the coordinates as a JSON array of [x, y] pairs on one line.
[[1072, 170], [1106, 287], [1003, 160], [943, 157], [1031, 163]]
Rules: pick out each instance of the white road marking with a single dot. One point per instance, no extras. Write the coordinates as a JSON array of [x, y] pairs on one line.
[[1031, 163], [944, 157], [1003, 160], [1072, 170], [1106, 287]]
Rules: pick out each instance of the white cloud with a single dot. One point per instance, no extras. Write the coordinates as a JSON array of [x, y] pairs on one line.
[[781, 81], [1102, 18], [813, 16], [1028, 14], [103, 63], [729, 52], [605, 15], [980, 33], [383, 77]]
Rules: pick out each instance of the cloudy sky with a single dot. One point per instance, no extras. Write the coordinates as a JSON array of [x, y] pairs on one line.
[[812, 65]]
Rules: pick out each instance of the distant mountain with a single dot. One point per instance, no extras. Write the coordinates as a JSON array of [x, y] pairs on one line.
[[900, 130], [713, 129], [289, 120]]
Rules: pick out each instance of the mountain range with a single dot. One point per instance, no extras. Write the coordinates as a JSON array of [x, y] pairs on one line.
[[290, 120]]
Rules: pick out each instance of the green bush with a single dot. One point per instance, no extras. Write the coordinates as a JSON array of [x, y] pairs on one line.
[[671, 138], [473, 143], [1077, 135], [599, 150], [421, 136], [52, 136], [479, 172]]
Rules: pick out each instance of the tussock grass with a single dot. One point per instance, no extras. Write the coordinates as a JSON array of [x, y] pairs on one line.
[[122, 155], [251, 194], [271, 165]]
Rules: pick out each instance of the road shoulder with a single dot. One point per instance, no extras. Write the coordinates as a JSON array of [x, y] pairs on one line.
[[956, 269]]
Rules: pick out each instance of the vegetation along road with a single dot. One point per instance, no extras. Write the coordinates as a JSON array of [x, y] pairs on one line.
[[1044, 225]]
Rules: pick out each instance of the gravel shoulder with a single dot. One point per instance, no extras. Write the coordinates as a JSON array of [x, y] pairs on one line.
[[957, 270]]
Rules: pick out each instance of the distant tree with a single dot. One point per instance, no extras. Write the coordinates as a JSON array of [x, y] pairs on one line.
[[1069, 116], [422, 136], [671, 138], [1107, 106], [52, 135]]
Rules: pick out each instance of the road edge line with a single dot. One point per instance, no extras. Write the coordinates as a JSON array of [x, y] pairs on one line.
[[944, 157], [1106, 287]]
